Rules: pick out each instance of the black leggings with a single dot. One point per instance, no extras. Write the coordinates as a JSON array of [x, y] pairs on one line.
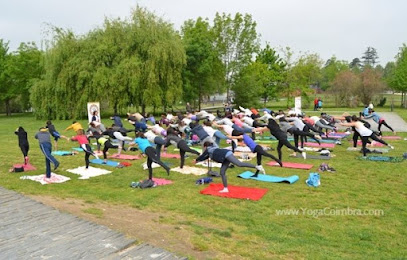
[[281, 143], [24, 149], [383, 122], [365, 139], [225, 165], [260, 152], [152, 157], [297, 133], [107, 146], [159, 142], [88, 152], [183, 148]]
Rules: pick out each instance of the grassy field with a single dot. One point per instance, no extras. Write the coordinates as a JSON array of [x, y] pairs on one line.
[[312, 226]]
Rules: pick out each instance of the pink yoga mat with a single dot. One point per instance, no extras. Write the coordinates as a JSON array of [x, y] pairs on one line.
[[171, 155], [124, 157], [160, 181], [324, 145], [391, 137], [292, 165], [27, 167]]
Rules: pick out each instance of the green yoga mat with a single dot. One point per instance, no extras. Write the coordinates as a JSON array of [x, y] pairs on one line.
[[269, 178], [381, 158]]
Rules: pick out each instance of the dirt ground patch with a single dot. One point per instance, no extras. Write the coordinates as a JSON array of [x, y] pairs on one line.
[[143, 226]]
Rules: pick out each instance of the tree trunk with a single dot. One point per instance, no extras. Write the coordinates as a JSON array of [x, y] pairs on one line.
[[115, 108], [143, 109], [8, 109]]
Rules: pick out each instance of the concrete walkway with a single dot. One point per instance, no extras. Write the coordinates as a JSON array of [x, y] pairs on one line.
[[32, 230]]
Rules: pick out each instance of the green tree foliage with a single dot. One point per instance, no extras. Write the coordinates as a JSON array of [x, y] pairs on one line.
[[251, 84], [330, 70], [137, 62], [237, 41], [345, 86], [305, 72], [204, 72], [398, 79], [356, 65], [19, 71], [370, 57], [275, 72]]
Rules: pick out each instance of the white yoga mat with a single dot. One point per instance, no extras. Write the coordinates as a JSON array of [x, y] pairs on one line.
[[211, 164], [87, 173], [55, 178], [191, 170]]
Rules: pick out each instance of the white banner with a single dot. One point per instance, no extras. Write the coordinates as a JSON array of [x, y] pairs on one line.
[[297, 107], [94, 111]]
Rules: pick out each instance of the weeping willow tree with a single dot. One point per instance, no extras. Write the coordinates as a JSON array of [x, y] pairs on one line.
[[136, 61]]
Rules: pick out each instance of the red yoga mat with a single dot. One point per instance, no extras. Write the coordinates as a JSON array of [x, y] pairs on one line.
[[324, 145], [171, 155], [292, 165], [27, 167], [124, 156], [236, 192], [391, 137]]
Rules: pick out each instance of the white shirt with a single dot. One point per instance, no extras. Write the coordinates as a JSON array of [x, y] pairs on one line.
[[209, 130], [150, 136]]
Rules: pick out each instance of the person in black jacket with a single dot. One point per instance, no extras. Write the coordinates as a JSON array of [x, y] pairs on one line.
[[23, 142], [225, 157], [53, 132]]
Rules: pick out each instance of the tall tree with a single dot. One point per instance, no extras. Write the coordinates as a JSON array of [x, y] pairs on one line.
[[236, 40], [330, 70], [275, 71], [398, 80], [5, 79], [371, 84], [203, 74], [345, 87], [370, 57], [356, 65]]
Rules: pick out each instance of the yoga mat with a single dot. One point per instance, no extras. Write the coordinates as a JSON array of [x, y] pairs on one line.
[[161, 182], [266, 141], [55, 178], [269, 178], [124, 156], [312, 156], [27, 167], [325, 141], [63, 153], [108, 163], [358, 149], [191, 170], [374, 143], [211, 164], [170, 155], [324, 145], [391, 137], [381, 158], [78, 149], [236, 192], [87, 173], [292, 165]]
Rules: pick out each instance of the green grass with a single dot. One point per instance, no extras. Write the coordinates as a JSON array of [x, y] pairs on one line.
[[245, 229]]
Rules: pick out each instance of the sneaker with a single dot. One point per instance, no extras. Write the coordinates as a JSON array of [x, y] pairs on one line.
[[304, 155], [254, 175], [56, 166], [391, 147], [261, 169], [225, 190], [318, 137]]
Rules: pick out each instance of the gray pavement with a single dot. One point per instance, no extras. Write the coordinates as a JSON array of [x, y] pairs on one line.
[[32, 230]]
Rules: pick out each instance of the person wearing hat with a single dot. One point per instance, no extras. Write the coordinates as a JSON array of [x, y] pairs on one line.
[[44, 139]]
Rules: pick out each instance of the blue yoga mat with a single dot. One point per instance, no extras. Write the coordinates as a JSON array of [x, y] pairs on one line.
[[78, 149], [269, 178], [62, 153], [108, 163]]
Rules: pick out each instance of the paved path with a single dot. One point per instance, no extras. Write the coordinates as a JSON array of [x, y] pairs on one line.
[[393, 120], [32, 230]]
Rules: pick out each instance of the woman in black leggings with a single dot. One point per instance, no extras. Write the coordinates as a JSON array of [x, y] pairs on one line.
[[225, 157], [282, 139], [23, 142], [181, 144]]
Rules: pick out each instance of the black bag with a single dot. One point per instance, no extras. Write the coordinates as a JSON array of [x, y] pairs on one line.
[[18, 169], [147, 184]]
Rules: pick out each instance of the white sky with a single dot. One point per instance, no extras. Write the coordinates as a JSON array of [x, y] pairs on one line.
[[344, 28]]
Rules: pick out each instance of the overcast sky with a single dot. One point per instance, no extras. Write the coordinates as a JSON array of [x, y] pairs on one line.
[[344, 28]]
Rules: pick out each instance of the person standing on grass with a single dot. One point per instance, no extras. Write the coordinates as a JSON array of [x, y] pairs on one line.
[[365, 133], [225, 157], [44, 139], [83, 141], [379, 120], [23, 142], [178, 142], [146, 148]]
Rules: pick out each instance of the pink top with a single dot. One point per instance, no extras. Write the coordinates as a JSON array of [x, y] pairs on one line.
[[82, 139], [238, 122]]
